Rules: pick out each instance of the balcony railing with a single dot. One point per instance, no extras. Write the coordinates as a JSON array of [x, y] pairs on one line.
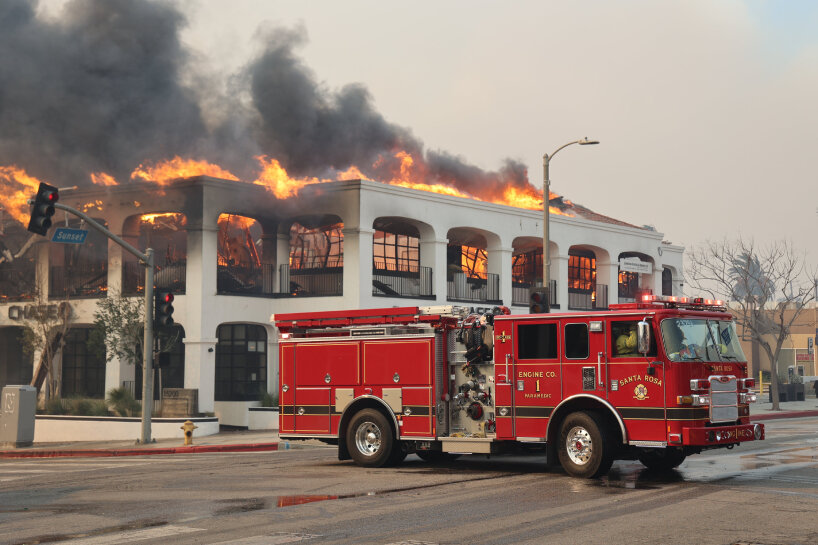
[[416, 283], [17, 281], [78, 281], [585, 300], [474, 290], [167, 276], [311, 282], [519, 294]]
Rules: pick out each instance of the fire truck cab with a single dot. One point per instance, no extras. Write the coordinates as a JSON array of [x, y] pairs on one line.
[[655, 380]]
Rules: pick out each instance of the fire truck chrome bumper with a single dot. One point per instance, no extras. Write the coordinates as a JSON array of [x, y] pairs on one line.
[[723, 434]]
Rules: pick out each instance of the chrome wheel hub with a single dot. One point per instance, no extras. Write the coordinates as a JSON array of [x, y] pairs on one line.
[[579, 446], [368, 438]]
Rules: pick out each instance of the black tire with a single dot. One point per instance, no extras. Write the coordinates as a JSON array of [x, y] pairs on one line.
[[399, 453], [586, 446], [661, 459], [436, 456], [370, 439]]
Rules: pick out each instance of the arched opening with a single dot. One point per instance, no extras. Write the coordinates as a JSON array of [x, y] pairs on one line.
[[467, 275], [526, 268], [316, 256], [635, 276], [166, 233], [239, 250], [396, 270]]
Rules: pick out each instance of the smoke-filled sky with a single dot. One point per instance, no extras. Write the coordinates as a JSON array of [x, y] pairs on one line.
[[705, 110]]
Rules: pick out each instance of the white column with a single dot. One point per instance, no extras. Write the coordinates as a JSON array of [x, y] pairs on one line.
[[608, 273], [282, 258], [199, 320], [433, 255], [499, 263], [358, 265]]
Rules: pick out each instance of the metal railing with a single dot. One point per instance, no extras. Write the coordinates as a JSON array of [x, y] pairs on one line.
[[17, 281], [585, 300], [167, 276], [474, 290], [416, 282], [311, 282], [78, 280]]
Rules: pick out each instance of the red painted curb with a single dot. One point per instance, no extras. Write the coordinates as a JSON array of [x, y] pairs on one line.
[[100, 453], [783, 414]]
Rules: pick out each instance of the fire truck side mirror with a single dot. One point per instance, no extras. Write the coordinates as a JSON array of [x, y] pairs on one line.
[[643, 337]]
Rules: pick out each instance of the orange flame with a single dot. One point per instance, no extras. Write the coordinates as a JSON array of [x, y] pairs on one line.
[[275, 178], [95, 205], [170, 219], [172, 169], [234, 221], [16, 187], [102, 178]]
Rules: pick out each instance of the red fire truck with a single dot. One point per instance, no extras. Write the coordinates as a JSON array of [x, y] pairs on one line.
[[655, 380]]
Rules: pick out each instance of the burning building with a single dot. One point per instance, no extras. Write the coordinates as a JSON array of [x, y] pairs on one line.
[[234, 253]]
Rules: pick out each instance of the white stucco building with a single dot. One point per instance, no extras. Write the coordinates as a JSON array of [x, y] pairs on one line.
[[346, 244]]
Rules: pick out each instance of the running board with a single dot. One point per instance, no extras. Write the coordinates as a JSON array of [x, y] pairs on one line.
[[475, 445]]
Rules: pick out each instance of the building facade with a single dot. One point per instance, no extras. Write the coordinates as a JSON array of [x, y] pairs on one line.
[[233, 254]]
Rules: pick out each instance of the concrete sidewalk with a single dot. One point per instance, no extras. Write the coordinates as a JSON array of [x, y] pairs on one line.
[[249, 441]]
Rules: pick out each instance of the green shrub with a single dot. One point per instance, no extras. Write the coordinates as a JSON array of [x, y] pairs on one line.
[[54, 405], [268, 399], [123, 403]]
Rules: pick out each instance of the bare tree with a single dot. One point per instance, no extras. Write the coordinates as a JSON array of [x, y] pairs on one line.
[[766, 287], [45, 324]]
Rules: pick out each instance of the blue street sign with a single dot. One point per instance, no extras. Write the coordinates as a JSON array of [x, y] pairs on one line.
[[69, 236]]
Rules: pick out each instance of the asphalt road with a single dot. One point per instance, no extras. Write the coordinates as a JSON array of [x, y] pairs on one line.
[[759, 494]]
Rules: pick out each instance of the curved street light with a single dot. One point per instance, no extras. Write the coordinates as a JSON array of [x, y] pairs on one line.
[[546, 255]]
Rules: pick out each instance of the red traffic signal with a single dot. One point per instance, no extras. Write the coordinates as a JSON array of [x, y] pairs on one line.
[[538, 300], [163, 310], [43, 209]]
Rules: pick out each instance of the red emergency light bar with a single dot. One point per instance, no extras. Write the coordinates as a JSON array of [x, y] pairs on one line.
[[687, 302]]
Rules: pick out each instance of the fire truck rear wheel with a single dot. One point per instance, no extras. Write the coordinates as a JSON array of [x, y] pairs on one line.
[[586, 445], [370, 439], [661, 459]]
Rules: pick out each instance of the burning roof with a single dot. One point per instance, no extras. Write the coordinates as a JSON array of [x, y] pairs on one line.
[[120, 109]]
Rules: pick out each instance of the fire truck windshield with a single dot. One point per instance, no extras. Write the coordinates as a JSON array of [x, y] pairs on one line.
[[701, 340]]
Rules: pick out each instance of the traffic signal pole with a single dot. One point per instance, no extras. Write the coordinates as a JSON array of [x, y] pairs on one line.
[[147, 348]]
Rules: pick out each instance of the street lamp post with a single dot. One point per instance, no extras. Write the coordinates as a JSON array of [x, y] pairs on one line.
[[546, 255]]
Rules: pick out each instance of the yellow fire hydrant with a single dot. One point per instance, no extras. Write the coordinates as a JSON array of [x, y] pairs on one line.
[[189, 426]]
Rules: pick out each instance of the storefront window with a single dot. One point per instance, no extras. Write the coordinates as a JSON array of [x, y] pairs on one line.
[[241, 362]]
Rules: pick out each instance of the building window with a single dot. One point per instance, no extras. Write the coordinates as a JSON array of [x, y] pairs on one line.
[[628, 284], [241, 362], [474, 262], [395, 252], [83, 370], [581, 271], [537, 341], [667, 282], [576, 341], [15, 366]]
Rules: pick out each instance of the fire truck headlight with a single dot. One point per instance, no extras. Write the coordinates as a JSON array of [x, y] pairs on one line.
[[718, 436], [749, 397], [757, 432], [700, 401]]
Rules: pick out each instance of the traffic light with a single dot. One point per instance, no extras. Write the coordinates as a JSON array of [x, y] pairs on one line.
[[163, 310], [43, 209], [538, 300]]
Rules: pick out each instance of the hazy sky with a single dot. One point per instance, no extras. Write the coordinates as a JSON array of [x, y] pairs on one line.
[[705, 109]]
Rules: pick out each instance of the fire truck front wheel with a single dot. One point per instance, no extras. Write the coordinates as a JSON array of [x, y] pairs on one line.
[[586, 445], [369, 439]]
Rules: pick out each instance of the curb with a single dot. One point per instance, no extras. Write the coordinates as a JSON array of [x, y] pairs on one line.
[[784, 414], [100, 453]]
